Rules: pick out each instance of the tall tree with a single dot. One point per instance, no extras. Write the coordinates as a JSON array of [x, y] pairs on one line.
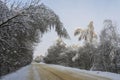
[[89, 36], [20, 28], [86, 34], [108, 50]]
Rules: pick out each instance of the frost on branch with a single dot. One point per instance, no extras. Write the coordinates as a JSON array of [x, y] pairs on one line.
[[19, 29]]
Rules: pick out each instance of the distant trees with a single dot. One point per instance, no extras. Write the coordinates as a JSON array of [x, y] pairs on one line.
[[86, 56], [108, 49], [60, 54], [20, 27], [38, 59], [79, 56], [105, 56], [53, 56], [73, 56]]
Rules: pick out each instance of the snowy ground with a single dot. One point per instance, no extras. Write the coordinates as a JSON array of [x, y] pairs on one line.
[[18, 75], [110, 75], [25, 73]]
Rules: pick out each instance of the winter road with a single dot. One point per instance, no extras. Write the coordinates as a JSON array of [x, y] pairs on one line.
[[40, 71], [48, 72]]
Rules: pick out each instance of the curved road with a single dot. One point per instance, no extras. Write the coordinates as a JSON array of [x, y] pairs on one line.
[[48, 72]]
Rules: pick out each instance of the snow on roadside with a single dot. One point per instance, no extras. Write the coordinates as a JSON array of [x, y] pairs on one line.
[[110, 75], [23, 73], [18, 75]]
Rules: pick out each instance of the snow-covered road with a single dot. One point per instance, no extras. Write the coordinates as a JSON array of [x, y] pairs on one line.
[[54, 72]]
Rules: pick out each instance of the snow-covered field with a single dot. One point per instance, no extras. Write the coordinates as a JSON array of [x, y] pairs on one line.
[[24, 72]]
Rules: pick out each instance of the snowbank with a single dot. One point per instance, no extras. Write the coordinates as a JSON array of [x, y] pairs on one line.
[[18, 75], [110, 75]]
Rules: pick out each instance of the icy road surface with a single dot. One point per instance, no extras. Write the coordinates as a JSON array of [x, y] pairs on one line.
[[52, 72]]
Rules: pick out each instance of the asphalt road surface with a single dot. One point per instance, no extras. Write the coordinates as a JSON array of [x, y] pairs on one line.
[[47, 72]]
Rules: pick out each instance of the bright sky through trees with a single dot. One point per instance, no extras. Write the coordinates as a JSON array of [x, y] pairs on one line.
[[78, 13]]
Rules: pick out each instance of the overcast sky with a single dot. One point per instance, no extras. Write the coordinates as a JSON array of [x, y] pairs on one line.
[[78, 13]]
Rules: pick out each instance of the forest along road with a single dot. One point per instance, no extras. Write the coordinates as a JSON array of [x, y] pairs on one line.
[[50, 72]]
